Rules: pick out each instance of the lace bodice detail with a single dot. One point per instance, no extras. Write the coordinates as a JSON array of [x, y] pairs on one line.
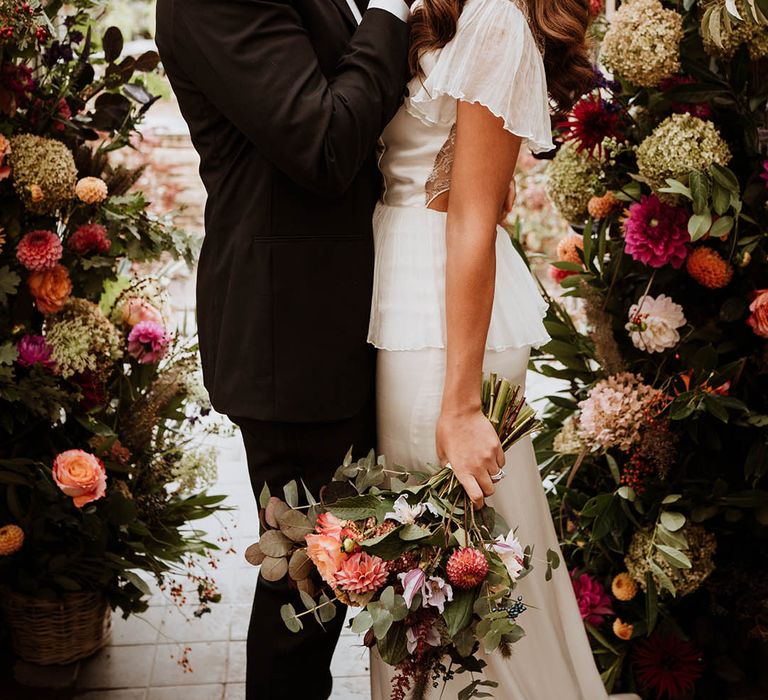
[[493, 60]]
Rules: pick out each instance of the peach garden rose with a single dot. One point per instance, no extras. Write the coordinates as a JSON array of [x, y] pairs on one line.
[[136, 310], [80, 475], [326, 554]]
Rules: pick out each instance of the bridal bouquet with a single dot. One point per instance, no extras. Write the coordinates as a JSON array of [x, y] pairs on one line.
[[434, 577]]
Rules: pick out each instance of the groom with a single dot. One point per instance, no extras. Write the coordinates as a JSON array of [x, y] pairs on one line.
[[285, 100]]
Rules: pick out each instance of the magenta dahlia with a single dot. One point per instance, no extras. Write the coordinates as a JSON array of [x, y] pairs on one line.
[[148, 342], [592, 120], [39, 250], [666, 665], [89, 238], [594, 601], [656, 233], [33, 350]]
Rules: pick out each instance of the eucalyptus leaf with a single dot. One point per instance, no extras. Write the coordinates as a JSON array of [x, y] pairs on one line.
[[288, 613], [273, 569], [275, 544]]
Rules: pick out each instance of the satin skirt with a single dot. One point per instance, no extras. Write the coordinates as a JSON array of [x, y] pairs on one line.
[[553, 661]]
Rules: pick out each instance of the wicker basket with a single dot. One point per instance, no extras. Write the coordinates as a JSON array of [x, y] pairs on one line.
[[49, 632]]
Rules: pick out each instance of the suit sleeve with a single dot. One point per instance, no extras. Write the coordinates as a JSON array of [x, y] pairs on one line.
[[255, 63]]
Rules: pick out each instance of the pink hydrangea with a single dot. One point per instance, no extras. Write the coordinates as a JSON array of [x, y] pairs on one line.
[[89, 238], [33, 350], [148, 342], [656, 233], [615, 410], [594, 601], [39, 250]]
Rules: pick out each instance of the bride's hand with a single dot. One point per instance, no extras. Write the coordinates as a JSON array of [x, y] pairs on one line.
[[468, 441]]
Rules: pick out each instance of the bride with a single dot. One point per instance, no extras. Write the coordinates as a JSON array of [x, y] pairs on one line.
[[453, 299]]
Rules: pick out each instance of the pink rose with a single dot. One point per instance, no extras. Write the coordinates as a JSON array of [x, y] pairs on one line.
[[80, 475], [758, 319], [136, 310], [326, 554], [328, 524]]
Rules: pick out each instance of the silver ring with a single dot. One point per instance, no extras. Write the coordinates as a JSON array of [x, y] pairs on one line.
[[499, 475]]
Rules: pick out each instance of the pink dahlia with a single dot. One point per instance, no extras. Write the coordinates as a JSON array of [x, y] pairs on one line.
[[89, 238], [148, 342], [594, 601], [656, 233], [39, 250], [33, 350], [467, 568], [362, 573]]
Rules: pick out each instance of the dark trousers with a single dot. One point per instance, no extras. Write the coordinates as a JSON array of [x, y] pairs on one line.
[[283, 665]]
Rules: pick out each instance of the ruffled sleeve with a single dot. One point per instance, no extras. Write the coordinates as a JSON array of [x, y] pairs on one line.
[[493, 60]]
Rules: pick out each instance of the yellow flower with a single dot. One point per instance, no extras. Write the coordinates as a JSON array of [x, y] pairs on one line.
[[623, 630], [91, 190], [623, 587], [11, 539]]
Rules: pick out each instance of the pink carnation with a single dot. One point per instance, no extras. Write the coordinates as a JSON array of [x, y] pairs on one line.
[[148, 342], [89, 238], [33, 350], [656, 233], [594, 601], [39, 250]]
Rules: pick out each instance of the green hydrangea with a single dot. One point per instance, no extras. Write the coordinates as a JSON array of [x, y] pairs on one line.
[[734, 33], [642, 45], [43, 171], [701, 550], [679, 144], [196, 470], [83, 339], [570, 181]]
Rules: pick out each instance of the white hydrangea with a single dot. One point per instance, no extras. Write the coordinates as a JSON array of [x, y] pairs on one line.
[[653, 323]]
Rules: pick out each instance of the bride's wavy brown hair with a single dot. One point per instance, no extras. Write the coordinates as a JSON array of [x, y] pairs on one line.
[[560, 27]]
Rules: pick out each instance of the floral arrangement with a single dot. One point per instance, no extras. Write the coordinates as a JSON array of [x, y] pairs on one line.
[[101, 404], [434, 577], [656, 442]]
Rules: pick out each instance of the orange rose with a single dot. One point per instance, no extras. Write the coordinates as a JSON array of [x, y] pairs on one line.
[[50, 288], [136, 310], [758, 320], [326, 554], [80, 475]]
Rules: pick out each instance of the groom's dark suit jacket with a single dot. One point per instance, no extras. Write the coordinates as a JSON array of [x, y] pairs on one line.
[[285, 106]]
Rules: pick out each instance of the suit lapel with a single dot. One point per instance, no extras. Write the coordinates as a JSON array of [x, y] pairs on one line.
[[343, 8]]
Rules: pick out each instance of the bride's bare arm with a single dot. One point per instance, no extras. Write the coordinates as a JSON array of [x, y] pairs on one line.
[[483, 167]]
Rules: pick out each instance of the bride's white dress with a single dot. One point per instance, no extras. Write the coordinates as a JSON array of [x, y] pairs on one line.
[[493, 60]]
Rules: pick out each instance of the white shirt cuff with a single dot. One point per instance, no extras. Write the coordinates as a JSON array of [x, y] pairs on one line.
[[397, 7]]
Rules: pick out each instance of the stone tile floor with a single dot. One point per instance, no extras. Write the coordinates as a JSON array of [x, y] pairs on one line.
[[141, 662]]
